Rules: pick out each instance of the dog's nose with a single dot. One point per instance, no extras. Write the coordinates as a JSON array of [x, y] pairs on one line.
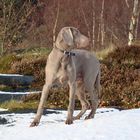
[[84, 41]]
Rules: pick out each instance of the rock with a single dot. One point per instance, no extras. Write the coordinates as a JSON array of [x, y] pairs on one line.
[[14, 80], [3, 121]]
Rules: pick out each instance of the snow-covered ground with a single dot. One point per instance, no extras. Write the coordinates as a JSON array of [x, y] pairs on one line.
[[2, 109], [19, 93], [108, 124], [11, 75]]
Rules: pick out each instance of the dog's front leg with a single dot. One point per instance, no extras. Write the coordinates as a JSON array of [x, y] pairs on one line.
[[43, 98], [72, 86]]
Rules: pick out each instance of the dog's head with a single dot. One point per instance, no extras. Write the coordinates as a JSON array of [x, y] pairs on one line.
[[70, 37]]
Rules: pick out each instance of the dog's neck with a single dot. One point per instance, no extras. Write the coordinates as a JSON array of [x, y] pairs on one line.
[[65, 52], [56, 56]]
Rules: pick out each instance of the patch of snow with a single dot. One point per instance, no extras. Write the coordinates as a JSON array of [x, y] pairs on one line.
[[108, 124], [10, 74], [19, 93], [2, 109]]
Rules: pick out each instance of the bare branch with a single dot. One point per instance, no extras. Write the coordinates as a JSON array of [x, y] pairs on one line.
[[55, 24], [85, 19], [127, 4]]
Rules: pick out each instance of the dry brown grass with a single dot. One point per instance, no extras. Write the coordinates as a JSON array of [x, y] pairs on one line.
[[120, 79]]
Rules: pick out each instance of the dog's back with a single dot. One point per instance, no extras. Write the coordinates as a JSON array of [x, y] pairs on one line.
[[87, 67], [85, 61]]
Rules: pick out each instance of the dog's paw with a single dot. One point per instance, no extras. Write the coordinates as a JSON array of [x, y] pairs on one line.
[[69, 121], [34, 123], [89, 117], [76, 118]]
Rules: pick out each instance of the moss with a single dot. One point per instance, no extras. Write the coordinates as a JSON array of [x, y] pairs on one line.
[[5, 88], [102, 54], [14, 105], [36, 52], [6, 62]]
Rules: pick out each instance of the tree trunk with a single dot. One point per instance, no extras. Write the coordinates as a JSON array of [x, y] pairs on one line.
[[134, 23], [85, 20], [102, 24], [93, 23], [55, 25]]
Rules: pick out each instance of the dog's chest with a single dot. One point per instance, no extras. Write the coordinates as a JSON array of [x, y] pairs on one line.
[[63, 72], [63, 69]]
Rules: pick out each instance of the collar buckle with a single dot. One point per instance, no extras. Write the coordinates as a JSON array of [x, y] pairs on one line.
[[69, 53]]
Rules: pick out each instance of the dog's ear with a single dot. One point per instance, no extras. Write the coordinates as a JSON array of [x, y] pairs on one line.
[[67, 37]]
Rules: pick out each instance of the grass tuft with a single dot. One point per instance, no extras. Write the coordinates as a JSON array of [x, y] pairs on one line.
[[14, 105], [6, 62], [102, 54]]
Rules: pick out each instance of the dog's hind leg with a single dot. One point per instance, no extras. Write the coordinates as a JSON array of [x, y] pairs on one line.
[[94, 103], [80, 92]]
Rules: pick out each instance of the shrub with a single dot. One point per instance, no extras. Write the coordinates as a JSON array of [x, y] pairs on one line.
[[120, 79]]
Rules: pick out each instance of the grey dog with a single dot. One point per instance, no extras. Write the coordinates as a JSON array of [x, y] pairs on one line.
[[78, 68]]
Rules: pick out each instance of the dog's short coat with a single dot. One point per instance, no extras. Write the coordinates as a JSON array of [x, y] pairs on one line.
[[79, 68]]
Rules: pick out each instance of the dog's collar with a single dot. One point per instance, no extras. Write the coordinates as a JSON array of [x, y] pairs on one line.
[[69, 53]]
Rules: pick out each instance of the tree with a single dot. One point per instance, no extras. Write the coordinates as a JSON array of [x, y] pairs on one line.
[[93, 23], [55, 24], [133, 29], [13, 22], [102, 23], [85, 20]]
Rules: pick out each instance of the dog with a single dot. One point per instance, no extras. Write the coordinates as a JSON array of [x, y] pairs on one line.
[[79, 68]]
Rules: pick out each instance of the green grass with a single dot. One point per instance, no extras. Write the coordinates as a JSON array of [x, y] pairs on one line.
[[102, 54], [6, 62], [35, 52], [14, 105], [5, 88]]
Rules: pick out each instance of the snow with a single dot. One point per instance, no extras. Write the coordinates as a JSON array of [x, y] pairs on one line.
[[108, 124], [11, 75], [20, 93], [2, 109]]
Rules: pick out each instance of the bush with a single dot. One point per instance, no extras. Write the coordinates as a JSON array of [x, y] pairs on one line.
[[120, 79], [31, 66]]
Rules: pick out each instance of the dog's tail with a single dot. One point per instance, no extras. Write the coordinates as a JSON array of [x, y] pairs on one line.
[[97, 84]]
